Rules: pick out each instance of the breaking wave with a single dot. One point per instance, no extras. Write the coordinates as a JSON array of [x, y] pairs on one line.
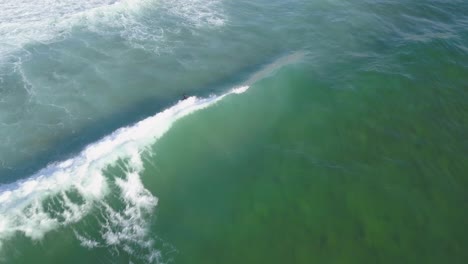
[[65, 192], [103, 182]]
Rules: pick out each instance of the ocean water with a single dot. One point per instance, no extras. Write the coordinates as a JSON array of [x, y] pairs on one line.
[[216, 131]]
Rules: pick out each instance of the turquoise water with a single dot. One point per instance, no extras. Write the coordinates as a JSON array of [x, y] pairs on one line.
[[210, 131]]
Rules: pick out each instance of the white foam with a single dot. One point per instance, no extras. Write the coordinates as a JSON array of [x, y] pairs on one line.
[[127, 229], [240, 90], [85, 242], [45, 21], [24, 21], [22, 204], [197, 12]]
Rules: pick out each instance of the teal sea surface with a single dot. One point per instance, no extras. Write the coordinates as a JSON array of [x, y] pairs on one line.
[[217, 131]]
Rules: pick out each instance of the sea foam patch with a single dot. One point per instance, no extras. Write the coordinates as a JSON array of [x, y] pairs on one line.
[[197, 12], [24, 21], [45, 21]]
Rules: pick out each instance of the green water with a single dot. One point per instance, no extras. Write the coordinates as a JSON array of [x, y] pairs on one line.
[[296, 172], [350, 144]]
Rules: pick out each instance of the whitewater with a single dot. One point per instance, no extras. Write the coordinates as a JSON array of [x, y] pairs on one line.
[[46, 21]]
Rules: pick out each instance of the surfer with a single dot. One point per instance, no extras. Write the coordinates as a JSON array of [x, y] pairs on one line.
[[184, 96]]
